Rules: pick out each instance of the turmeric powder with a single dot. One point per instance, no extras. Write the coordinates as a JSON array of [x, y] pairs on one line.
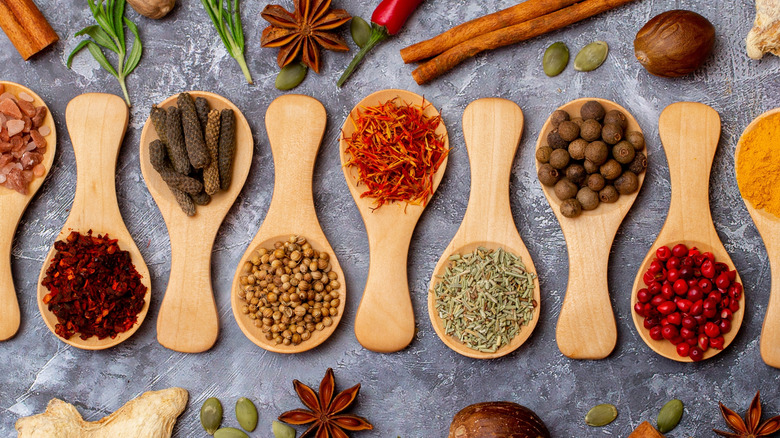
[[758, 165]]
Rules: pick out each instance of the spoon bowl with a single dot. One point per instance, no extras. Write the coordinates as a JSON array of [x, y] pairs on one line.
[[586, 325], [13, 204], [96, 124], [385, 319]]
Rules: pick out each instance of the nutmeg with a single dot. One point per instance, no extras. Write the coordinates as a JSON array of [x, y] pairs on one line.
[[152, 8], [674, 43]]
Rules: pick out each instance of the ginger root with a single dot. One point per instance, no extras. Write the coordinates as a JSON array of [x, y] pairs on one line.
[[151, 415], [765, 35]]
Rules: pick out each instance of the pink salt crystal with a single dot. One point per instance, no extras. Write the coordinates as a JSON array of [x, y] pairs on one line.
[[3, 119], [38, 138], [7, 95], [2, 178], [2, 88], [28, 109], [15, 181], [44, 130], [25, 96], [9, 108], [39, 170], [14, 127]]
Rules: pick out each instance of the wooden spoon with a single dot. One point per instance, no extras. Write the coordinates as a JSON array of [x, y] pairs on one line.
[[188, 320], [385, 318], [768, 226], [586, 325], [96, 124], [13, 204], [689, 133], [492, 129], [295, 125]]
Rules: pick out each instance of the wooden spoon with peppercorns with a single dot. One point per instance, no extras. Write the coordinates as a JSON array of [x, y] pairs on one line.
[[13, 204], [96, 124]]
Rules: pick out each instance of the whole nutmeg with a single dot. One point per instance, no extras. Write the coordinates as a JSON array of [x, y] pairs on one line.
[[497, 419], [674, 43], [152, 8]]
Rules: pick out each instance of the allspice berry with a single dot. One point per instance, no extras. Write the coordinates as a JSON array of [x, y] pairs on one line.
[[590, 130], [571, 208], [615, 117], [576, 173], [565, 189], [590, 167], [588, 198], [637, 139], [555, 141], [608, 195], [623, 152], [568, 131], [578, 121], [557, 117], [548, 175], [577, 149], [543, 154], [611, 169], [559, 158], [639, 164], [592, 110], [597, 152], [611, 134], [596, 182], [627, 183]]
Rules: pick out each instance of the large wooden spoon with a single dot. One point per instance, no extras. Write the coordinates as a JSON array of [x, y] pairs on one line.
[[768, 226], [689, 133], [13, 204], [492, 129], [188, 320], [586, 325], [96, 124], [295, 126], [385, 318]]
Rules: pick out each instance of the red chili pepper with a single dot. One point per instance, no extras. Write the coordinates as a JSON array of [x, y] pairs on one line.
[[388, 18]]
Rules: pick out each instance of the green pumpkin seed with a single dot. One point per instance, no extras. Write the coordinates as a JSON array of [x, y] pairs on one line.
[[360, 30], [246, 414], [282, 430], [211, 415], [230, 432], [291, 76], [591, 56], [670, 415], [555, 59], [601, 415]]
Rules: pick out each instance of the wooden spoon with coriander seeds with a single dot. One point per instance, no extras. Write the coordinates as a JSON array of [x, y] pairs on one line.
[[13, 204], [768, 226], [96, 124], [689, 133], [188, 320], [586, 325], [295, 125], [385, 319], [492, 129]]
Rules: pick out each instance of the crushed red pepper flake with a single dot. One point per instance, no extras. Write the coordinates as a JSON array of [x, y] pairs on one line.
[[94, 288], [396, 152]]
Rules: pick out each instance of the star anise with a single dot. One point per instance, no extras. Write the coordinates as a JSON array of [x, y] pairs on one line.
[[324, 410], [304, 31], [751, 427]]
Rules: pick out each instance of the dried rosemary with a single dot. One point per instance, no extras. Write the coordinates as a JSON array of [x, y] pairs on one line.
[[485, 297]]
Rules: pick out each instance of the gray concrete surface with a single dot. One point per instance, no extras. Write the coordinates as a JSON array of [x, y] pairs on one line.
[[413, 393]]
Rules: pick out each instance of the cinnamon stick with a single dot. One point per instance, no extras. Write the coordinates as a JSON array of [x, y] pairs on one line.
[[26, 27], [519, 13], [511, 35]]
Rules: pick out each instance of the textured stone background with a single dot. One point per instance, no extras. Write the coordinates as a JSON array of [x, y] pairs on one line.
[[413, 393]]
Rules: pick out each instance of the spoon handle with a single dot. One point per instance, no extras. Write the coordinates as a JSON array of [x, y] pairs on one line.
[[9, 305], [770, 333]]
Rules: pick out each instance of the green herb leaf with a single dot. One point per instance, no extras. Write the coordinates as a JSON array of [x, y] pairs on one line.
[[135, 53], [94, 49], [226, 17], [78, 48], [119, 12], [100, 36]]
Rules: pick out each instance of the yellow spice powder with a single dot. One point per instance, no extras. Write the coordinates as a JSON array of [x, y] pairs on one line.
[[758, 165]]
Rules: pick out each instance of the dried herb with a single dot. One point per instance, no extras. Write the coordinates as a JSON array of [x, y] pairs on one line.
[[396, 151], [226, 17], [751, 426], [325, 410], [109, 33], [94, 288], [484, 298]]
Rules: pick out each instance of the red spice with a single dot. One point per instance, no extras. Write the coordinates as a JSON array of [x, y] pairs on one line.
[[94, 287], [396, 151]]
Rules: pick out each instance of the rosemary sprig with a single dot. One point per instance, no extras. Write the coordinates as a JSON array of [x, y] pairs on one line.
[[109, 33], [227, 19]]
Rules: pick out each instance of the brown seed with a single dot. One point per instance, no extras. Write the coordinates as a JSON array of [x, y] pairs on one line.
[[543, 154], [569, 131], [596, 182], [565, 189], [577, 149], [627, 183], [616, 117], [555, 141], [193, 132], [548, 175], [211, 172], [608, 195], [590, 130], [592, 110], [576, 173], [557, 117], [590, 167], [227, 147], [177, 151], [202, 107], [578, 121], [639, 164], [571, 208], [636, 139], [588, 198], [611, 170], [158, 115], [597, 152], [611, 134], [559, 158], [624, 152]]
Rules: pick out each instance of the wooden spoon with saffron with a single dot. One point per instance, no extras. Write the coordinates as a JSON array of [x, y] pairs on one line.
[[13, 204], [492, 129], [768, 226], [96, 124], [385, 318]]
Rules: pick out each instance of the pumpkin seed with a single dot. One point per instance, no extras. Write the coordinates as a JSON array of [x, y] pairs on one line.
[[246, 414], [211, 415], [291, 76], [555, 59], [230, 432], [601, 415], [670, 415], [360, 30], [591, 56], [282, 430]]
